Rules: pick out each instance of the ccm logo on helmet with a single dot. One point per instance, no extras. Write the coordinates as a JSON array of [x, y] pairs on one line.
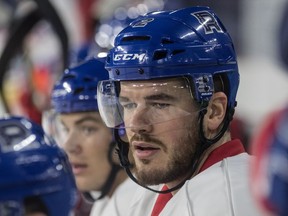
[[208, 21], [129, 57]]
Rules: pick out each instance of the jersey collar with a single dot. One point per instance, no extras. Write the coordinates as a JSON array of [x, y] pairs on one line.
[[229, 149]]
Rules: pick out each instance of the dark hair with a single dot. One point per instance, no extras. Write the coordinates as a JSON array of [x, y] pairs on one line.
[[33, 204]]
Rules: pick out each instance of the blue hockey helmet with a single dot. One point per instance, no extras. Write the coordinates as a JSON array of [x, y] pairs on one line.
[[77, 88], [32, 165], [190, 42]]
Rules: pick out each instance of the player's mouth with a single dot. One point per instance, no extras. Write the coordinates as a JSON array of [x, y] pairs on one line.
[[144, 150], [78, 168]]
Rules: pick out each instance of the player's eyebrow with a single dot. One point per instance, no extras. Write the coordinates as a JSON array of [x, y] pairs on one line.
[[87, 118], [84, 119], [161, 96]]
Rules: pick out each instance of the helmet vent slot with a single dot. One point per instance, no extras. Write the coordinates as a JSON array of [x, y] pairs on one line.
[[166, 41], [87, 79], [160, 54], [78, 91], [68, 77], [175, 52], [92, 88], [135, 38]]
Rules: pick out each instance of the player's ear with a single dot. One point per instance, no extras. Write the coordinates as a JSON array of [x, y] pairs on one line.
[[215, 113]]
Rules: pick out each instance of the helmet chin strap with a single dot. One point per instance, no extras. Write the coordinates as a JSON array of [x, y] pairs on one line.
[[123, 150], [208, 142], [111, 178]]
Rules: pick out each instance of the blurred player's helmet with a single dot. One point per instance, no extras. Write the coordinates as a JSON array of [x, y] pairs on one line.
[[190, 42], [33, 166], [270, 167], [76, 90]]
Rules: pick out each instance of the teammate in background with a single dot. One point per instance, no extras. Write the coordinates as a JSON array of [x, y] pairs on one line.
[[36, 178], [270, 146], [88, 142], [270, 169], [172, 87]]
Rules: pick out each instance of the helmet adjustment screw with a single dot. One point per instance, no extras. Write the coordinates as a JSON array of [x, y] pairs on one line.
[[206, 88], [205, 79], [140, 71]]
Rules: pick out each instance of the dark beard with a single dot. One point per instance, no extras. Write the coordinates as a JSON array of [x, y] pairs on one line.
[[178, 167]]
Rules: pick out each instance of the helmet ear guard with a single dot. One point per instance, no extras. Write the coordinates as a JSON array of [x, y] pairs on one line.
[[204, 87], [221, 84]]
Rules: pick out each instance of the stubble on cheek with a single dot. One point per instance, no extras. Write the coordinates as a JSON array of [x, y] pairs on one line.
[[175, 158], [173, 164]]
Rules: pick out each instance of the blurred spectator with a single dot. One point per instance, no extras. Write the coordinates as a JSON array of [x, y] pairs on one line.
[[269, 170]]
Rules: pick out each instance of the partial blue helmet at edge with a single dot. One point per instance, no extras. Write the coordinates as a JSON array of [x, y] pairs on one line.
[[187, 42], [76, 90], [31, 164]]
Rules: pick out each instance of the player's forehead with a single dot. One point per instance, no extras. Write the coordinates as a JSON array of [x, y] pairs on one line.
[[171, 89], [163, 83], [80, 117]]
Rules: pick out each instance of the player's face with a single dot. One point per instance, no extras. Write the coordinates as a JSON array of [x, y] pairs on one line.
[[162, 136], [87, 146]]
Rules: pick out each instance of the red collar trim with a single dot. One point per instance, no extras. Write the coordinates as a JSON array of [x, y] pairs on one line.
[[231, 148]]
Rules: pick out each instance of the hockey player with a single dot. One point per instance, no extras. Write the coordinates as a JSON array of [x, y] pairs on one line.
[[88, 142], [172, 87]]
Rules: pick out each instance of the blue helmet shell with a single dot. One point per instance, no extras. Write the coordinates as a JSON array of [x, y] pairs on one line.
[[31, 164], [187, 42], [76, 90]]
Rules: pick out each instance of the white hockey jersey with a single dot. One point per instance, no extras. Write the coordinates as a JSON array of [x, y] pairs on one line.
[[117, 204], [222, 189]]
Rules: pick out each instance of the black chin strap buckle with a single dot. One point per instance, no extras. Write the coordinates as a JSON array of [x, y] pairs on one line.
[[122, 150], [124, 162]]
